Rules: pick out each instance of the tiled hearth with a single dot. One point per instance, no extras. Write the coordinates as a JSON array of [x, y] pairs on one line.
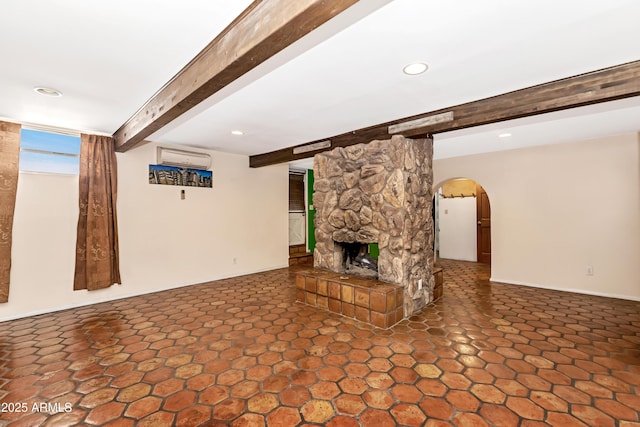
[[368, 300], [372, 301]]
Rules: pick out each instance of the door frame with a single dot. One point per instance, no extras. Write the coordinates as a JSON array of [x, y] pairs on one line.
[[436, 219]]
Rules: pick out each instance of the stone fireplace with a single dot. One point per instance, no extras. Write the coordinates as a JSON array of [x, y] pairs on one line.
[[378, 193]]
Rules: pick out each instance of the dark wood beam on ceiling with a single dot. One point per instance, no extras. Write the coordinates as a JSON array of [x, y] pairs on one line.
[[608, 84], [265, 28]]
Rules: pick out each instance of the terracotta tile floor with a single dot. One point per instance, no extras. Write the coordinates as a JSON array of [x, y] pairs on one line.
[[240, 352]]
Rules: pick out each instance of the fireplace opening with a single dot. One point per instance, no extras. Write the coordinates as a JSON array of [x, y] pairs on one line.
[[358, 260]]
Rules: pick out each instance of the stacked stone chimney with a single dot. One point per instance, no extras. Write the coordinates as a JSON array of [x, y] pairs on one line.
[[380, 192]]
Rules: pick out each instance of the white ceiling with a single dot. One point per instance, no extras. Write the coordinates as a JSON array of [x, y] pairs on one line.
[[109, 57]]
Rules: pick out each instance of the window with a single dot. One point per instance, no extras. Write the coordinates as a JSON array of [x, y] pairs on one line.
[[296, 192], [49, 152]]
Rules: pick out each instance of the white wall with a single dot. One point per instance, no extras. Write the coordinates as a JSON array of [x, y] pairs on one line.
[[165, 242], [457, 228], [557, 209]]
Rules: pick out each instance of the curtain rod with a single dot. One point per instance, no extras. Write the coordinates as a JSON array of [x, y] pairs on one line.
[[53, 129]]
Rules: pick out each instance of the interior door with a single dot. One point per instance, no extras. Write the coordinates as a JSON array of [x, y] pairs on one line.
[[483, 216]]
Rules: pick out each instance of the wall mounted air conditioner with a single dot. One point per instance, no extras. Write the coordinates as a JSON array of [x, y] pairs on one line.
[[183, 158]]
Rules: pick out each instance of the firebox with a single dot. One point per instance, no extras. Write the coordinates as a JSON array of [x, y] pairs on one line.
[[357, 260]]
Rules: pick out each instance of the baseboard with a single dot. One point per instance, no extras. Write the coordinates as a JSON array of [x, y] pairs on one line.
[[130, 295], [575, 291]]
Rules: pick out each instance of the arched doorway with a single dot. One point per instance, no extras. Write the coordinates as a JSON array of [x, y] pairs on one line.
[[462, 221]]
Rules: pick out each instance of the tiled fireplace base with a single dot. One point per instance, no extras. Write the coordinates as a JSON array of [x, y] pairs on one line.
[[372, 301]]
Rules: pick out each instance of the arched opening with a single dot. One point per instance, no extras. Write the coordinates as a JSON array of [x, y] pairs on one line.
[[462, 219]]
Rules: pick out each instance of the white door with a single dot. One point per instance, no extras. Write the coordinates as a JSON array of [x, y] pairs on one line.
[[296, 228]]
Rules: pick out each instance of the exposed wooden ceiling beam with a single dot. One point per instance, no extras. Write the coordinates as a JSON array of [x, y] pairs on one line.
[[609, 84], [265, 28]]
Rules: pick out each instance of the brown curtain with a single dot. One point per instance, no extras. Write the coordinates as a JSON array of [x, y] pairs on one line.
[[9, 156], [97, 259]]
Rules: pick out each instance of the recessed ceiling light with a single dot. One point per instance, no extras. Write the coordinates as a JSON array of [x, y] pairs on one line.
[[47, 91], [237, 132], [415, 68], [504, 135]]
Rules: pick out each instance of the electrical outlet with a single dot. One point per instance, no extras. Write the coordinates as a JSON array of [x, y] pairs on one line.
[[589, 270], [235, 260]]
